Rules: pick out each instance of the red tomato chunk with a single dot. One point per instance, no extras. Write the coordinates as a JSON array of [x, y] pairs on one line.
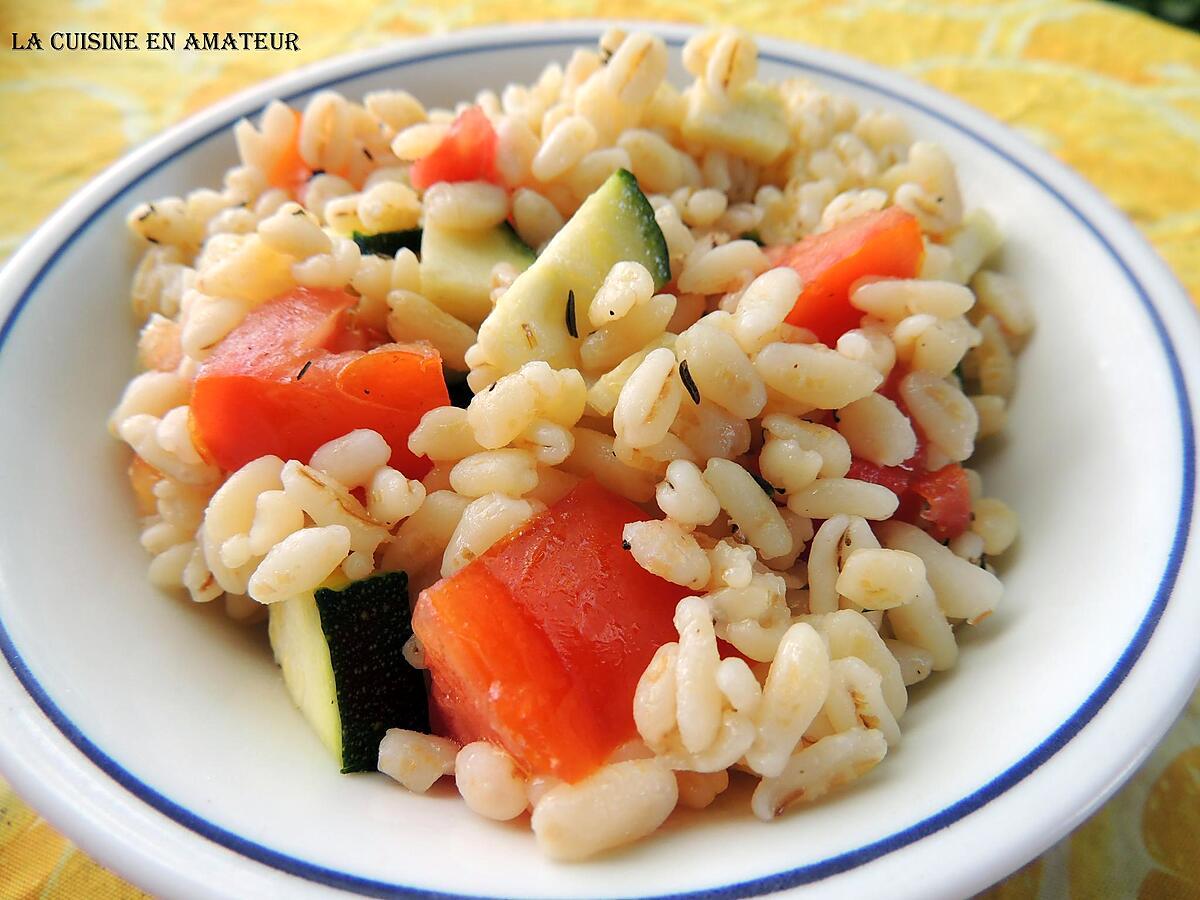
[[947, 496], [466, 153], [290, 172], [294, 375], [896, 479], [883, 244], [538, 645], [939, 501]]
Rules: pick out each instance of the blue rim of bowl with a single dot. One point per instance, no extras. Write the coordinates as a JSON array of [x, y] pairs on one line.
[[806, 874]]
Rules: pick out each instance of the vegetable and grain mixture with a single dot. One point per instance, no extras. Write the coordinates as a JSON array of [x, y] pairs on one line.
[[589, 442]]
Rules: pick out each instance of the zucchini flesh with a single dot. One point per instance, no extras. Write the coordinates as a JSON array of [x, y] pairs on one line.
[[456, 267], [616, 223]]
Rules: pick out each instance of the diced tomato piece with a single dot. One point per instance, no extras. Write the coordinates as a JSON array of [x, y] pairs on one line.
[[538, 645], [290, 172], [294, 375], [947, 497], [896, 479], [466, 153], [939, 500], [884, 244]]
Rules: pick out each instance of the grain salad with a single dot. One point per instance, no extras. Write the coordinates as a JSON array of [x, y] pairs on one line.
[[591, 444]]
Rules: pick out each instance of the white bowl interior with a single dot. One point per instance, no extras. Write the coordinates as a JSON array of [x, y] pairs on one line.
[[193, 707]]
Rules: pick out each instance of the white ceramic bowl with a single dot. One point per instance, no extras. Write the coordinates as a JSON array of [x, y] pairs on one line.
[[160, 738]]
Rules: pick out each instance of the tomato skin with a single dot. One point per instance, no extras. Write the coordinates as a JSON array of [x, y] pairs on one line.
[[466, 153], [250, 399], [880, 244], [538, 645]]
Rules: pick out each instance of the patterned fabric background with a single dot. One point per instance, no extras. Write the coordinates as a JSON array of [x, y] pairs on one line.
[[1111, 92]]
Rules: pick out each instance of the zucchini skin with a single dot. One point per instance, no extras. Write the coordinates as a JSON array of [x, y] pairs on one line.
[[366, 625], [658, 261], [389, 243], [518, 246]]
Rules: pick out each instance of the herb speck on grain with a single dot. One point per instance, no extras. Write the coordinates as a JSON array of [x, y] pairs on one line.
[[572, 325], [689, 384], [767, 487]]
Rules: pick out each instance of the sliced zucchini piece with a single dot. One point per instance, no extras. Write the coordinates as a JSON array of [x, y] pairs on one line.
[[750, 122], [456, 267], [342, 654], [616, 223]]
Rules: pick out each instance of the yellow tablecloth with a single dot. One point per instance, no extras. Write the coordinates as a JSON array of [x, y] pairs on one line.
[[1113, 93]]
